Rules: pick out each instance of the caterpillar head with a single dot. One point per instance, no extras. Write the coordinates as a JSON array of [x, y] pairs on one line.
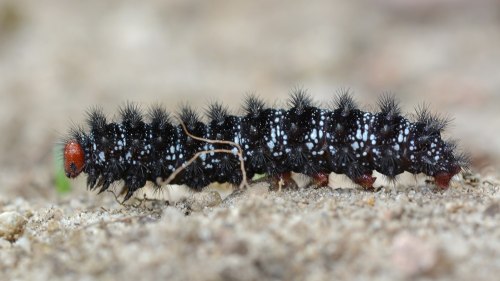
[[74, 158]]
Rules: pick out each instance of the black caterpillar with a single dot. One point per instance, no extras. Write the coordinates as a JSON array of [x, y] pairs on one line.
[[302, 139]]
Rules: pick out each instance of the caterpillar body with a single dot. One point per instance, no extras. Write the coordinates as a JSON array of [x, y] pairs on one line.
[[303, 139]]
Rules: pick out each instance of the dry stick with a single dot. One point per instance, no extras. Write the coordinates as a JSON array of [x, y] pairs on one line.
[[122, 203], [243, 183]]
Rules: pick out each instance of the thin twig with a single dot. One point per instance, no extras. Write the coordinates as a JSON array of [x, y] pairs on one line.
[[243, 183]]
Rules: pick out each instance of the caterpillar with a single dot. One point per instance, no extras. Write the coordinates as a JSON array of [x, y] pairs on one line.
[[275, 141]]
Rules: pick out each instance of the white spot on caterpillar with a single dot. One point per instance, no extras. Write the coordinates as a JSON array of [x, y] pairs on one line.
[[270, 145], [358, 134], [400, 138], [355, 145], [314, 134], [309, 145]]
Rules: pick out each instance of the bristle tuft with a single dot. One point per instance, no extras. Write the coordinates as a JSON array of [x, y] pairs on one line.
[[96, 119], [217, 112], [188, 116], [299, 100], [159, 117], [434, 123], [131, 115], [345, 102], [389, 106], [253, 105]]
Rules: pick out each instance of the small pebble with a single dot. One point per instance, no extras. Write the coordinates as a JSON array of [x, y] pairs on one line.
[[199, 201], [11, 225]]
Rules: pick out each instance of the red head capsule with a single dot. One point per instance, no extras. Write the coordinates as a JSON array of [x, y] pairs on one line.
[[74, 158]]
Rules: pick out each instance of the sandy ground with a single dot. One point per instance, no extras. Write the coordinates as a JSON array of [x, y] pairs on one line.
[[58, 58]]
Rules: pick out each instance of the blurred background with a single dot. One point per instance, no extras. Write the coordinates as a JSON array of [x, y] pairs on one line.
[[58, 58]]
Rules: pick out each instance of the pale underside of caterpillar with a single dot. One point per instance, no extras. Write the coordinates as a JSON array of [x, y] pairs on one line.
[[302, 139]]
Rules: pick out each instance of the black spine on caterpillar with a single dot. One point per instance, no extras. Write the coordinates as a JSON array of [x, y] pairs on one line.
[[302, 139]]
